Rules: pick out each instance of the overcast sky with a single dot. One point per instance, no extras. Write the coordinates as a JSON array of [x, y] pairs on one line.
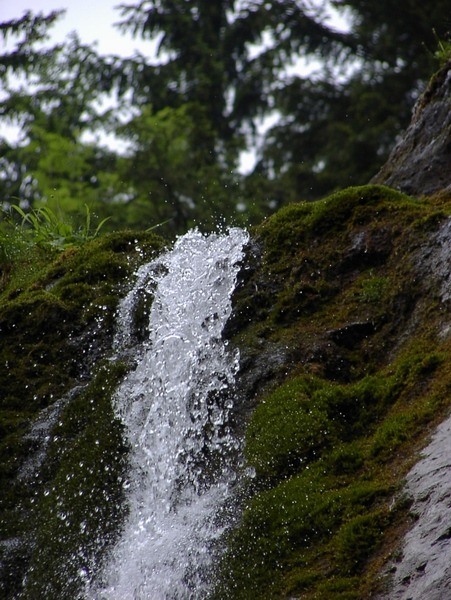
[[92, 19]]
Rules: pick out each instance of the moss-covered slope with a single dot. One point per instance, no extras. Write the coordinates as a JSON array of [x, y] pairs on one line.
[[342, 318], [61, 454]]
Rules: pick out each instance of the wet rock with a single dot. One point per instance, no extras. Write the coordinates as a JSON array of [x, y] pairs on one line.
[[421, 161], [424, 570], [440, 260], [369, 248]]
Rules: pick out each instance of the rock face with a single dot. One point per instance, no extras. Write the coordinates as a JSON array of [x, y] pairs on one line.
[[420, 164], [424, 570]]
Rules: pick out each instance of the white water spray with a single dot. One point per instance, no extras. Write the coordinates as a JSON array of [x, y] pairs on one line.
[[175, 408]]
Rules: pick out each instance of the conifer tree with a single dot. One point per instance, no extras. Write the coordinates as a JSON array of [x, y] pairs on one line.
[[222, 68]]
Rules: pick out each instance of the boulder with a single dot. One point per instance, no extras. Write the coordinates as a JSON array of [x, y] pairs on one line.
[[420, 163]]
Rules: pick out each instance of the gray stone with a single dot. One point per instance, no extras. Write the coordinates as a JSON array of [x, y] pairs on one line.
[[420, 163], [424, 571]]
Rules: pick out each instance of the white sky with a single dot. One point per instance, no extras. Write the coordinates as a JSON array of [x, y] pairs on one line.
[[92, 19], [94, 22]]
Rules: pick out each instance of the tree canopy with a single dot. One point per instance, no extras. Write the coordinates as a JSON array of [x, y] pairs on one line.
[[186, 115]]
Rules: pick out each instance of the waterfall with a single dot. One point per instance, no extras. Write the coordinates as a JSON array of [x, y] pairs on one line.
[[175, 408]]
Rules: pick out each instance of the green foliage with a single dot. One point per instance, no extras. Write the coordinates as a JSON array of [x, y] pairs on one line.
[[336, 127], [443, 51], [32, 28], [47, 229], [26, 248], [337, 131], [172, 176]]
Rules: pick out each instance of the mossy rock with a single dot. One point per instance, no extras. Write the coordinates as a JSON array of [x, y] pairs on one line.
[[57, 320], [341, 322], [80, 511], [343, 292]]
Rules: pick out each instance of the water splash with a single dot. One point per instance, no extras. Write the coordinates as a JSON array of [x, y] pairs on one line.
[[175, 408]]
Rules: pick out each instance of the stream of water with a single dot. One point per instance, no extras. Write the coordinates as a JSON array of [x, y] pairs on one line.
[[175, 408]]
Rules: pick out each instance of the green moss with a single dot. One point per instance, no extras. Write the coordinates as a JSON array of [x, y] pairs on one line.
[[80, 509], [323, 453], [339, 589], [301, 419], [373, 289], [391, 434], [42, 323], [287, 429], [57, 314], [358, 538], [301, 298], [22, 265], [365, 376], [286, 530], [307, 220], [356, 205], [345, 459]]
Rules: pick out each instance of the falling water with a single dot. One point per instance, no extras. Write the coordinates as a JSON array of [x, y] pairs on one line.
[[175, 408]]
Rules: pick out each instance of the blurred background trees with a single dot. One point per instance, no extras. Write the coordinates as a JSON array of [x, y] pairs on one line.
[[317, 108]]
